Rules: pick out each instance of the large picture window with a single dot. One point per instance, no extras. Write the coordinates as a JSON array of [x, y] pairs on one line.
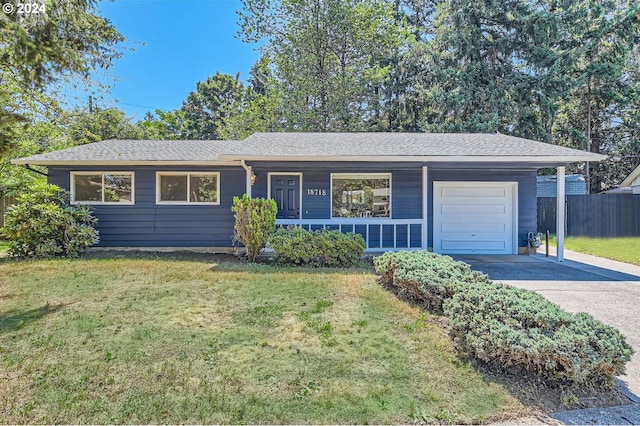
[[360, 195], [102, 187], [188, 188]]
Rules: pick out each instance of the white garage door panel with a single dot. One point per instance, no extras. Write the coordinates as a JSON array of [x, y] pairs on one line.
[[478, 208], [484, 246], [474, 217], [467, 192], [472, 227]]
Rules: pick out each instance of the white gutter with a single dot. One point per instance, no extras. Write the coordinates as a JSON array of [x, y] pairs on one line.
[[548, 159], [248, 179]]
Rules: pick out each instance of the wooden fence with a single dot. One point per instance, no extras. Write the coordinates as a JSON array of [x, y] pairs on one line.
[[4, 203], [595, 215]]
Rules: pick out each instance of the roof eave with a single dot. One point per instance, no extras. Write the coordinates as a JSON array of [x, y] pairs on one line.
[[550, 159]]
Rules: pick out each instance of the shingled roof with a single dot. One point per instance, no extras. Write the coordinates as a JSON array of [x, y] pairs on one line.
[[389, 147], [135, 152], [401, 147]]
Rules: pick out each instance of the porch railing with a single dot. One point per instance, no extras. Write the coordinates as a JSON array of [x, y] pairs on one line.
[[378, 234]]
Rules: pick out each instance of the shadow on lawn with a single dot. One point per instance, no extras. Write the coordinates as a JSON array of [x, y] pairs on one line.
[[14, 320]]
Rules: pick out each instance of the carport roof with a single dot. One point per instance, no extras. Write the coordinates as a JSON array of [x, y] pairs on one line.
[[352, 147]]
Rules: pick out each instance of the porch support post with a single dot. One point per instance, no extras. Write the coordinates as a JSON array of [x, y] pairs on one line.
[[425, 208], [247, 169], [560, 214]]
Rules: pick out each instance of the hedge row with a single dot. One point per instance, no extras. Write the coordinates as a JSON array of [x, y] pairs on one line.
[[508, 326], [297, 246]]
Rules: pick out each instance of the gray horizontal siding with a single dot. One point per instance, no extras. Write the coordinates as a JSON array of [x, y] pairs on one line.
[[146, 224]]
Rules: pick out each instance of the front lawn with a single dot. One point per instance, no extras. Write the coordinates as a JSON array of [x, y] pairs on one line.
[[624, 249], [197, 341]]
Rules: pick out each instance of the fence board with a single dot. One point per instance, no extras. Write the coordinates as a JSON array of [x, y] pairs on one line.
[[594, 215]]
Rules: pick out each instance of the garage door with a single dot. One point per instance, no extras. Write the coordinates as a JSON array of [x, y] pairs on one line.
[[474, 217]]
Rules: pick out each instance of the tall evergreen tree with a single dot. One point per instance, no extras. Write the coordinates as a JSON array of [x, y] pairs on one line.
[[325, 57]]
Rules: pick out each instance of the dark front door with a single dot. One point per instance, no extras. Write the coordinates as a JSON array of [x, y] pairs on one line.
[[285, 190]]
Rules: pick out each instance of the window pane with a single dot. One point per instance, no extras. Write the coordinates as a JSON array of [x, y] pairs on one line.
[[360, 197], [173, 188], [117, 188], [204, 189], [88, 188]]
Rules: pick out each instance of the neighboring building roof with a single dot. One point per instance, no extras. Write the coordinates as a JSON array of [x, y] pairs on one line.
[[432, 147], [633, 179], [134, 152], [547, 185], [438, 147]]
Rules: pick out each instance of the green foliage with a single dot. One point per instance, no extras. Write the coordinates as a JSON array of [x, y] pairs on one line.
[[208, 107], [426, 277], [101, 124], [41, 49], [42, 224], [294, 245], [516, 327], [328, 58], [505, 325], [255, 221]]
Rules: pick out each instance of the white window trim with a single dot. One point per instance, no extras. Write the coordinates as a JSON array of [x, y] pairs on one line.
[[362, 176], [187, 202], [102, 173]]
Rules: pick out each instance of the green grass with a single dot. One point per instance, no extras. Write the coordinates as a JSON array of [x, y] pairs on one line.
[[625, 249], [161, 341]]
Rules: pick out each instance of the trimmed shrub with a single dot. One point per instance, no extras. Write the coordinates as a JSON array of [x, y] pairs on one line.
[[255, 222], [43, 224], [336, 248], [293, 245], [509, 326], [426, 277], [297, 246]]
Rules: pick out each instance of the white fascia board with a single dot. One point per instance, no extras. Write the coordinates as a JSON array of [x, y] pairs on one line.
[[551, 159], [21, 162]]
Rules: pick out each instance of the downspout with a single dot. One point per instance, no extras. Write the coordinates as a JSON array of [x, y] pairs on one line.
[[248, 179], [31, 169]]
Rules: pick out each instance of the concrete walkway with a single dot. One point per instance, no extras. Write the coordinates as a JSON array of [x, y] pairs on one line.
[[606, 289]]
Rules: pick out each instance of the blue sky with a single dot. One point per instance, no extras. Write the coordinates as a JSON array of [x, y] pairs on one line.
[[177, 43]]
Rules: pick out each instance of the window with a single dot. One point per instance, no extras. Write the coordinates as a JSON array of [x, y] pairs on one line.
[[360, 195], [188, 188], [102, 187]]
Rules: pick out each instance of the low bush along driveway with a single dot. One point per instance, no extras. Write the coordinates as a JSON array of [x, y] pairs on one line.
[[180, 341]]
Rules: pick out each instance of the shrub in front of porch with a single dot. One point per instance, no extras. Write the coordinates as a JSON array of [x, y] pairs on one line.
[[507, 326], [297, 246], [255, 222]]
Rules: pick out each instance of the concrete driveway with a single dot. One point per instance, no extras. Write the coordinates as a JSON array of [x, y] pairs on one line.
[[608, 290]]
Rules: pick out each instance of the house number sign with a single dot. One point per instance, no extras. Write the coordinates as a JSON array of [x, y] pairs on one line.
[[317, 192]]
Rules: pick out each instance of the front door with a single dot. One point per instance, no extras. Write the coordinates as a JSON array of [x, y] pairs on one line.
[[285, 190]]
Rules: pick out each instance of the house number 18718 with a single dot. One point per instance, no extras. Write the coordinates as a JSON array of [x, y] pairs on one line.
[[316, 191]]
